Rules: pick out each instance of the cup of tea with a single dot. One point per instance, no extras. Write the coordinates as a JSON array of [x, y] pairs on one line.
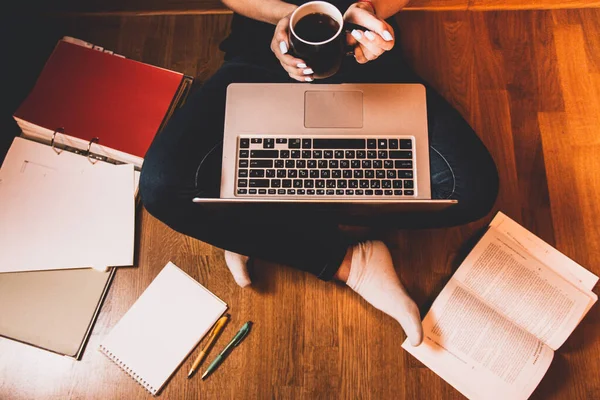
[[317, 37]]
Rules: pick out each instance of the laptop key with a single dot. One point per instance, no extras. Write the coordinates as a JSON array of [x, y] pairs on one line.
[[297, 183], [306, 153], [409, 192], [290, 164], [314, 173], [371, 144], [275, 183], [379, 192], [336, 173], [272, 191], [312, 163], [309, 183], [380, 174], [366, 164], [300, 191], [338, 143], [286, 183], [405, 174], [291, 191], [403, 164], [349, 192], [334, 164], [344, 164], [408, 184], [358, 173], [310, 192], [303, 173], [388, 164], [259, 183], [386, 184], [280, 141], [242, 173], [330, 192], [393, 143], [400, 154], [382, 143], [279, 163], [339, 192], [269, 144], [359, 192], [284, 154], [270, 173], [369, 192], [242, 191], [242, 183], [331, 183], [244, 153], [306, 143], [347, 173], [353, 183], [406, 143], [256, 140], [377, 164], [295, 153], [322, 164], [391, 174], [339, 154], [397, 184], [244, 143], [355, 164], [261, 163], [292, 173], [281, 173], [328, 154], [280, 191], [325, 173], [300, 163], [371, 154], [320, 183], [320, 192], [361, 154], [364, 184], [342, 183], [388, 192], [263, 153], [294, 144], [350, 153], [243, 164], [369, 174], [397, 192], [375, 184], [257, 173], [317, 153], [252, 191]]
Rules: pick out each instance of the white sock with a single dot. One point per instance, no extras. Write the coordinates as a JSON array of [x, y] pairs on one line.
[[372, 275], [238, 266]]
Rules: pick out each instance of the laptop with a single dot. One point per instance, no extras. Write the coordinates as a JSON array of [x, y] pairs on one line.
[[361, 145]]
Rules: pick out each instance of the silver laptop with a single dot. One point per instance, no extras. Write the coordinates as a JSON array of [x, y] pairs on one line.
[[348, 143]]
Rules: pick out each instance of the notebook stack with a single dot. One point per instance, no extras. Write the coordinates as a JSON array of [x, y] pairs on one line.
[[68, 188]]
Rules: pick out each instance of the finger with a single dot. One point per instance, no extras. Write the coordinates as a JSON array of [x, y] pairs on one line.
[[292, 61], [359, 56], [371, 22], [300, 72], [301, 78], [374, 40], [370, 48], [279, 44]]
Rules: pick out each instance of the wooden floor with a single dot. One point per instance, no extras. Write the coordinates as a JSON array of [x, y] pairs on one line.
[[529, 83]]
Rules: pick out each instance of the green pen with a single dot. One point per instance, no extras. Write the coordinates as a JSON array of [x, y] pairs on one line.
[[237, 339]]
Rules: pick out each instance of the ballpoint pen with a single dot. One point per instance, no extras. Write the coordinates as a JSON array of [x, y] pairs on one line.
[[237, 339], [214, 334]]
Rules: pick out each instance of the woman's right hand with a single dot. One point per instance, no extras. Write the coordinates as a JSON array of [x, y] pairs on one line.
[[295, 67]]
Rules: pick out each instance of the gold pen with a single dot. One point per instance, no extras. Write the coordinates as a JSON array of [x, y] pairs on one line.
[[211, 340]]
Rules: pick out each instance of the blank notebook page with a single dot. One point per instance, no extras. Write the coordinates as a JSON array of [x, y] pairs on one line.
[[162, 327]]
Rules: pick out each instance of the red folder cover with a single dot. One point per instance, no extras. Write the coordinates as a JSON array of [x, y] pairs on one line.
[[91, 94]]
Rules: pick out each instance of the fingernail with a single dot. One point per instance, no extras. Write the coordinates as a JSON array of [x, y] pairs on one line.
[[357, 35], [308, 71], [387, 36], [301, 65], [283, 47], [369, 35], [308, 79]]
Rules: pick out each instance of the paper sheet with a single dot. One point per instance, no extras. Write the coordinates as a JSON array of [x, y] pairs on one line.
[[61, 212]]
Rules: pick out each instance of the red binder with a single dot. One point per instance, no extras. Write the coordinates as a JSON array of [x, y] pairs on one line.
[[95, 94]]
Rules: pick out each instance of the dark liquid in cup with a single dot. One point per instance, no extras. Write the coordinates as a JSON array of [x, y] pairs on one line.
[[316, 27]]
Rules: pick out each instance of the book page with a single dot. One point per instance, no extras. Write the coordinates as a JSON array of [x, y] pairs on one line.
[[548, 255], [477, 350], [526, 292]]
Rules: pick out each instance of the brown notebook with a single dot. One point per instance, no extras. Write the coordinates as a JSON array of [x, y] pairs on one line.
[[53, 310]]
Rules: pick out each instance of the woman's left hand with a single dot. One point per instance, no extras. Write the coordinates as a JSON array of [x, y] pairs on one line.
[[373, 42]]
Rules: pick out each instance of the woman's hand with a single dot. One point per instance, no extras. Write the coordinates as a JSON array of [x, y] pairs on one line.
[[373, 42], [295, 67]]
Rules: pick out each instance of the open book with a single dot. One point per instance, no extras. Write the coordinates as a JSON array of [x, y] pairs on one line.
[[493, 330]]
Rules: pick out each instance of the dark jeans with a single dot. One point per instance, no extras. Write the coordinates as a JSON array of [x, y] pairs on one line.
[[185, 161]]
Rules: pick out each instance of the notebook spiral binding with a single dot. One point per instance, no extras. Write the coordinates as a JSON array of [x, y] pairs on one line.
[[92, 158], [128, 370]]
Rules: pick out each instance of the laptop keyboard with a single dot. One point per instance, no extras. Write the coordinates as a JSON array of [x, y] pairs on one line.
[[278, 166]]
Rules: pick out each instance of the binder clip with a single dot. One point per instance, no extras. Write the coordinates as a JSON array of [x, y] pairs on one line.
[[58, 130], [89, 153]]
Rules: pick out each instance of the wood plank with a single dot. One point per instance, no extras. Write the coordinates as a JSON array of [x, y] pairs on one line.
[[489, 5]]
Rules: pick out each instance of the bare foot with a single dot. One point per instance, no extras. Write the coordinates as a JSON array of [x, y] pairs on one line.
[[238, 266]]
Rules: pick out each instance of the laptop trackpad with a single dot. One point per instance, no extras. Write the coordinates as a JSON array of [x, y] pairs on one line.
[[333, 109]]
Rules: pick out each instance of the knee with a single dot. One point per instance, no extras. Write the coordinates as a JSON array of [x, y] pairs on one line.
[[154, 189], [483, 190]]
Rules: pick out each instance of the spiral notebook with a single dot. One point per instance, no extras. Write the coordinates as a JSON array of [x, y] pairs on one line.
[[162, 327]]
